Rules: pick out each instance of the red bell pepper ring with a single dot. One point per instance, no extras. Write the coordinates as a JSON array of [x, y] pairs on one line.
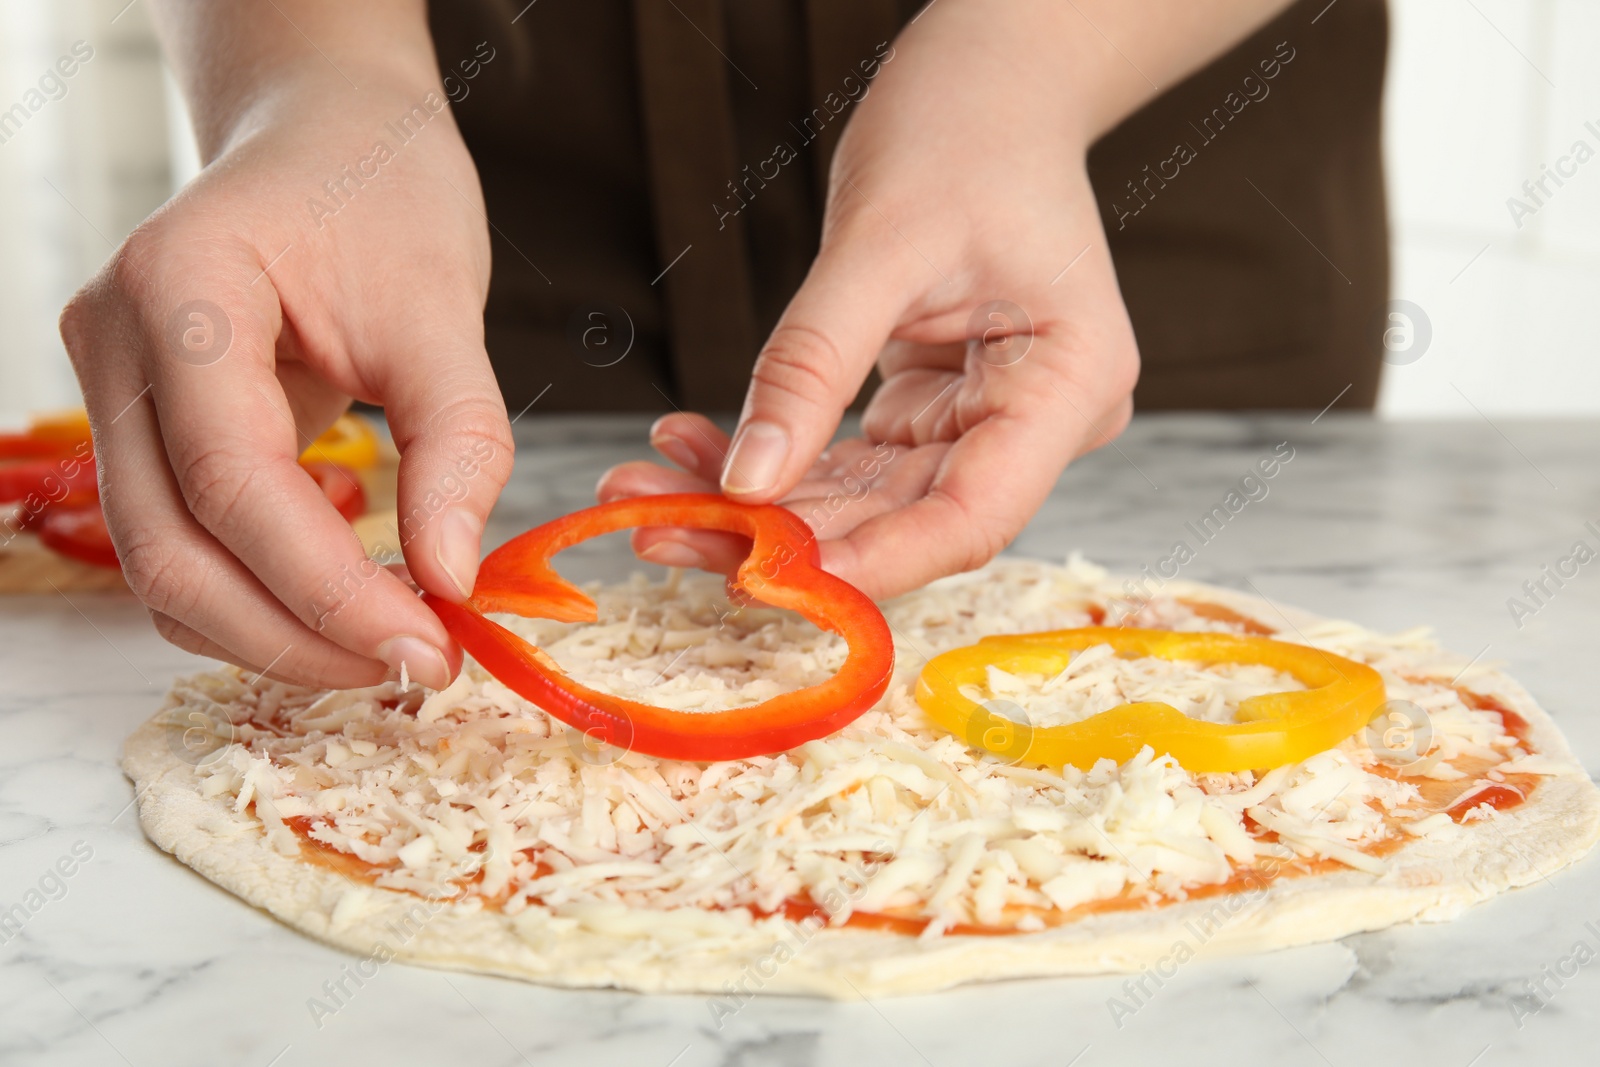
[[781, 570], [66, 478], [78, 530], [78, 533]]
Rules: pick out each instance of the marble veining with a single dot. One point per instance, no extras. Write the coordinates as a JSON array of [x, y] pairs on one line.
[[133, 959]]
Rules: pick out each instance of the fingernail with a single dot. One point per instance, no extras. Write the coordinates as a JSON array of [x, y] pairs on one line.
[[675, 449], [673, 554], [423, 663], [756, 458], [459, 533]]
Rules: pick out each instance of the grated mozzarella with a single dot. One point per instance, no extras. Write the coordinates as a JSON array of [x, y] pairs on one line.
[[472, 793]]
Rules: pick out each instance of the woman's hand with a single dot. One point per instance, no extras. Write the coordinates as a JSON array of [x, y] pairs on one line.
[[334, 247], [962, 253]]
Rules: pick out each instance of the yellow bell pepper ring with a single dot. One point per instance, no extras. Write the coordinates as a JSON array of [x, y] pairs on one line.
[[1274, 729], [349, 442], [65, 427]]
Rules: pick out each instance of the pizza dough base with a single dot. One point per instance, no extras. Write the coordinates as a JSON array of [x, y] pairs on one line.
[[1428, 880]]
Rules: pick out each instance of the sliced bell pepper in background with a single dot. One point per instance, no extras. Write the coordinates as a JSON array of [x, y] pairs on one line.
[[67, 480], [78, 533], [1273, 729], [781, 570], [349, 442], [341, 486], [50, 469], [50, 464], [53, 434], [65, 427]]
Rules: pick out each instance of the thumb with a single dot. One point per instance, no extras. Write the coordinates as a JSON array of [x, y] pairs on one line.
[[810, 370], [449, 423]]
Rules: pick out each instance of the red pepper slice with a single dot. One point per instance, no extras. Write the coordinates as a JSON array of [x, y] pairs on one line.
[[342, 487], [781, 570], [78, 530], [28, 446], [79, 533], [64, 478], [54, 434]]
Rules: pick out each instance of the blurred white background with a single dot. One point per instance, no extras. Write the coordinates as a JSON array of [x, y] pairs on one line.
[[1483, 96]]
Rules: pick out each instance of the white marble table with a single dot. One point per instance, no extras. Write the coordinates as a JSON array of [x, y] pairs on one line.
[[141, 962]]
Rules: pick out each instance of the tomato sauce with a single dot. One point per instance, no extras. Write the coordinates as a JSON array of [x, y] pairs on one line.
[[1459, 796], [1515, 724], [1498, 796], [325, 855]]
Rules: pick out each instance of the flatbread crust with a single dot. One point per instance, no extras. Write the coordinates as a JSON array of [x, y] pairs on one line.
[[1427, 880]]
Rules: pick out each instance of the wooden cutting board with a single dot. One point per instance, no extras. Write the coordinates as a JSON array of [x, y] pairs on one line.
[[26, 566]]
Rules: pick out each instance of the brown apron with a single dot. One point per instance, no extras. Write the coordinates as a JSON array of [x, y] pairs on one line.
[[1244, 205]]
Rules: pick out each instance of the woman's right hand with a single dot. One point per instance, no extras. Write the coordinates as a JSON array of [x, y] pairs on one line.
[[335, 246]]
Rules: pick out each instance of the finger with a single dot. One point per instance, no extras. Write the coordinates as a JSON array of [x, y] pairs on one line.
[[313, 404], [643, 478], [192, 640], [843, 472], [180, 571], [705, 550], [172, 564], [1108, 429], [812, 367], [232, 442], [672, 546], [917, 399], [693, 442], [854, 483], [986, 487], [901, 356], [894, 477], [915, 407], [699, 447], [449, 423]]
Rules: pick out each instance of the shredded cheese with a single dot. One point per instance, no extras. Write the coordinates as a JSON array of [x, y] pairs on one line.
[[471, 793]]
